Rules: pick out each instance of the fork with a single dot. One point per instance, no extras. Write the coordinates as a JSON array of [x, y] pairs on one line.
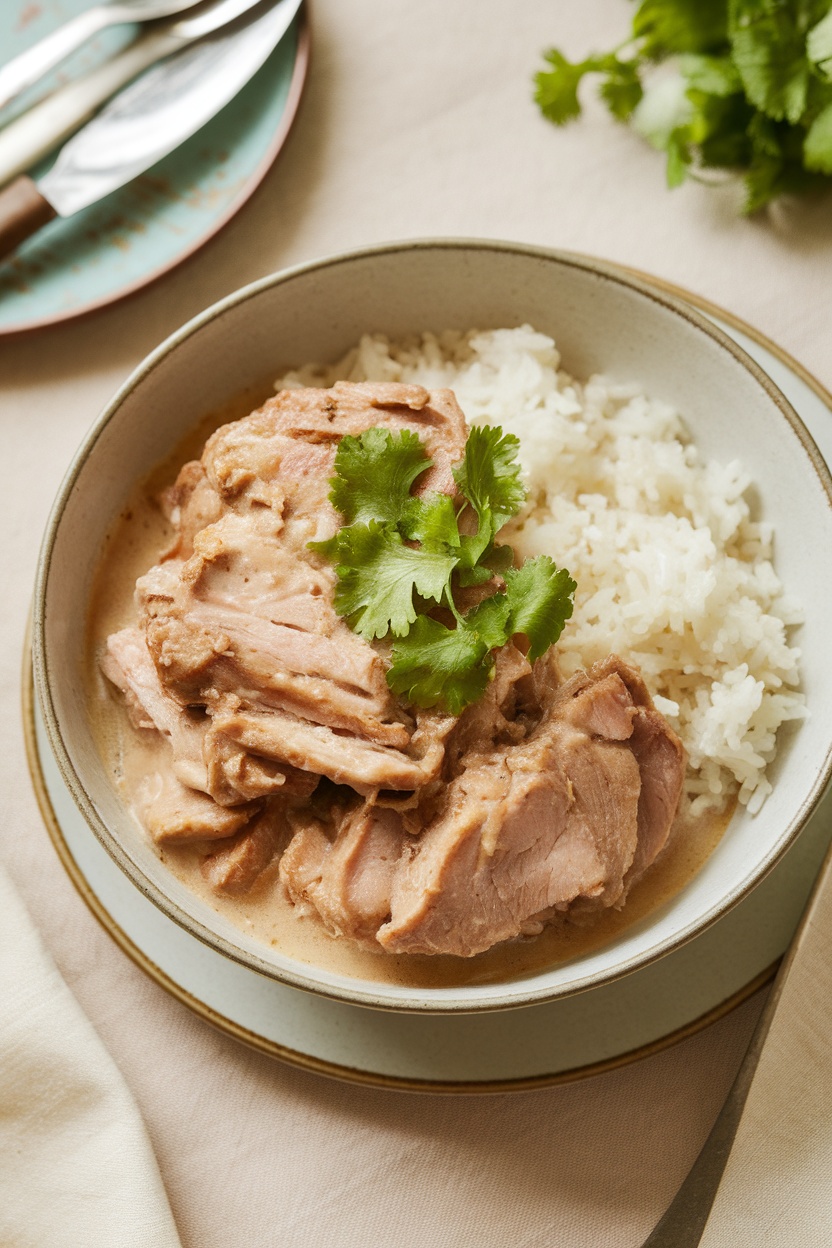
[[26, 69]]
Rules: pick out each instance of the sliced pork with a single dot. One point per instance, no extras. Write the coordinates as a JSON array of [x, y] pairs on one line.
[[526, 829], [570, 814], [129, 665], [344, 872], [239, 619], [175, 814], [241, 860], [344, 758], [406, 830]]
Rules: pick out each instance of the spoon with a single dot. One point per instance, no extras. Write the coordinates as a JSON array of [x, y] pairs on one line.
[[27, 68]]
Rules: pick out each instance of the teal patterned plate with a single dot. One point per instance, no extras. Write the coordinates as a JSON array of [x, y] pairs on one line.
[[143, 230]]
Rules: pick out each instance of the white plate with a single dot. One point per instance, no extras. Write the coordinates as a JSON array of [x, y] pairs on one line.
[[542, 1044]]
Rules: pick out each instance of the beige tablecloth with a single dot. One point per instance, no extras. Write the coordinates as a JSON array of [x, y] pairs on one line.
[[417, 120], [77, 1167]]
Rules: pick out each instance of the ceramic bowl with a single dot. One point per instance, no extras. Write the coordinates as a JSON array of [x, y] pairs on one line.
[[603, 320]]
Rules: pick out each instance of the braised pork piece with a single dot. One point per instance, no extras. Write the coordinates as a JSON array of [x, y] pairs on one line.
[[403, 829]]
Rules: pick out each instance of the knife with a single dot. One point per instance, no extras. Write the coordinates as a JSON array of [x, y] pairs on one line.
[[44, 126], [142, 124], [27, 68]]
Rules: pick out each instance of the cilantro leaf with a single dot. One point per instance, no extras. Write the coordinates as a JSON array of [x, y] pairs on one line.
[[436, 665], [819, 43], [621, 90], [539, 596], [671, 27], [817, 146], [489, 479], [776, 166], [472, 573], [766, 137], [396, 565], [499, 558], [430, 520], [489, 476], [740, 62], [712, 75], [769, 51], [769, 178], [719, 129], [490, 620], [375, 473], [377, 577], [762, 181], [556, 89], [678, 157]]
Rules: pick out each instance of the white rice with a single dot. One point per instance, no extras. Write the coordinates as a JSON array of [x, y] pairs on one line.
[[672, 572]]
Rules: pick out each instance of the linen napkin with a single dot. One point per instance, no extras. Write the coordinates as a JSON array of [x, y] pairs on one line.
[[76, 1166], [777, 1186]]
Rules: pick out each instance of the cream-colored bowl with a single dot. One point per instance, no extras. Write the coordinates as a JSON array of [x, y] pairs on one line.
[[604, 321]]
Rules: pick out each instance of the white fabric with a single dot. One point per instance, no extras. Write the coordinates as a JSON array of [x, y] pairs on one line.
[[417, 120], [76, 1166]]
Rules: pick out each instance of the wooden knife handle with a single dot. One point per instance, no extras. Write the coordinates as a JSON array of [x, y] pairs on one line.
[[23, 210]]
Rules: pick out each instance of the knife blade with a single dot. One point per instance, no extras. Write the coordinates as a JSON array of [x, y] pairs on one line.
[[44, 126], [144, 123]]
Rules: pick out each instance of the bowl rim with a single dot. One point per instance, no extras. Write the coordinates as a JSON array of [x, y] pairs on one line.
[[442, 1001]]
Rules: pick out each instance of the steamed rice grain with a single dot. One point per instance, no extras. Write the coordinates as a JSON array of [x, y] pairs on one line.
[[672, 572]]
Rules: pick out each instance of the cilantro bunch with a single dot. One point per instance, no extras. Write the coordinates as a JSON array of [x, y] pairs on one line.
[[399, 558], [752, 91]]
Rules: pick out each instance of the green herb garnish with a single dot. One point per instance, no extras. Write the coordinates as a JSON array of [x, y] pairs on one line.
[[399, 555], [752, 91]]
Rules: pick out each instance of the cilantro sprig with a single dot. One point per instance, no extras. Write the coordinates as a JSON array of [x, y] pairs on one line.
[[399, 557], [434, 663], [752, 92]]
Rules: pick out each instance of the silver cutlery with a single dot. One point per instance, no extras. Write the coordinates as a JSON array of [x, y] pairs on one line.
[[30, 66], [683, 1224], [30, 137], [143, 123]]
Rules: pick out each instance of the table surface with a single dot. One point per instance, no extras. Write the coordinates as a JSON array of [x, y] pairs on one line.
[[417, 121]]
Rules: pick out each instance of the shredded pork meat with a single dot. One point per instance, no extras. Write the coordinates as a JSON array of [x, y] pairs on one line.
[[291, 761]]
